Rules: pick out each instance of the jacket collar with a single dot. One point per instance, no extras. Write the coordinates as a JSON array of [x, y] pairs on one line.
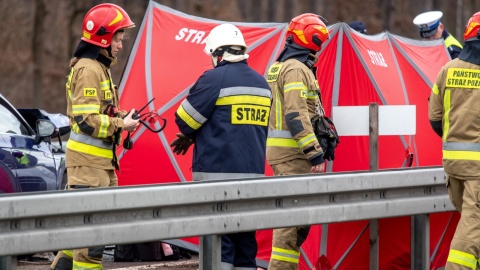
[[87, 50], [223, 63], [471, 52], [104, 58]]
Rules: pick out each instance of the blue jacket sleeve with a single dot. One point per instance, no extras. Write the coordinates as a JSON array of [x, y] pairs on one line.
[[199, 105]]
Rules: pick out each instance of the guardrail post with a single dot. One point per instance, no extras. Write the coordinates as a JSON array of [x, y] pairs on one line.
[[373, 135], [8, 263], [420, 242], [374, 245], [210, 252]]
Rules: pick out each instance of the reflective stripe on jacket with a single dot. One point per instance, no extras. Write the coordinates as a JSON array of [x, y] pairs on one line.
[[454, 100], [89, 90], [453, 46], [296, 100], [90, 145], [226, 114]]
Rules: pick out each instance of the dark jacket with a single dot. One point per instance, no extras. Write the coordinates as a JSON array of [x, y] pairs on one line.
[[226, 113]]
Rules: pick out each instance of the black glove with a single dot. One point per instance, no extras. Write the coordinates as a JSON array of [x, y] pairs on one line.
[[330, 150], [181, 144], [326, 135], [324, 144]]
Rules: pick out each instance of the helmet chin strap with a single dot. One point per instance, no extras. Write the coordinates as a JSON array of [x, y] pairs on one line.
[[216, 60], [311, 60]]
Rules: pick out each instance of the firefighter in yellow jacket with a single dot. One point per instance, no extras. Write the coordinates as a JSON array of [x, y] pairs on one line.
[[292, 146], [454, 115], [95, 120]]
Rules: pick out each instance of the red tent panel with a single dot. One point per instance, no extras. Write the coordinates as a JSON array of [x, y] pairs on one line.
[[353, 70]]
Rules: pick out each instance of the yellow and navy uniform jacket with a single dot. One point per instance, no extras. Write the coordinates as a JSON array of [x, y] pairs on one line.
[[453, 46], [296, 100], [226, 114], [89, 90], [454, 101]]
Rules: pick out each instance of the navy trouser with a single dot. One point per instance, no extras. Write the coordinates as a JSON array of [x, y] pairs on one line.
[[239, 251]]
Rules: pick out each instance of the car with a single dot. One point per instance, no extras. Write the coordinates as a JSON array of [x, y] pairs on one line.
[[27, 160]]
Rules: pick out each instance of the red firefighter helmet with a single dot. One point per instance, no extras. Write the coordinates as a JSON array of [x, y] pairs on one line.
[[101, 23], [308, 31], [472, 28]]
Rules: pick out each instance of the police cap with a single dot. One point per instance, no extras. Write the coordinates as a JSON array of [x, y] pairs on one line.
[[428, 23], [359, 27]]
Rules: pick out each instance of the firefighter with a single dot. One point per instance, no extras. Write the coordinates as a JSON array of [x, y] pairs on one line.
[[432, 28], [95, 121], [454, 115], [292, 146], [226, 115]]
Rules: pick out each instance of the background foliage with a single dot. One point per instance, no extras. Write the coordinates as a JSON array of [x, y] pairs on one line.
[[38, 37]]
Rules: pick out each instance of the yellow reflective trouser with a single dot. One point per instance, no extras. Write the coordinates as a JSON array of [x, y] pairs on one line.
[[285, 251], [85, 258], [464, 249], [79, 259], [91, 177]]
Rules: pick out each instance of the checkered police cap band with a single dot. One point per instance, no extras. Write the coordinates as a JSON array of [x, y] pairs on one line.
[[428, 30]]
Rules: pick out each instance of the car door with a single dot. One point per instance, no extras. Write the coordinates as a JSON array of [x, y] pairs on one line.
[[9, 181], [33, 163], [8, 174]]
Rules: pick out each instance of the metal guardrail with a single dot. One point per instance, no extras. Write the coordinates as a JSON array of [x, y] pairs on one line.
[[38, 222]]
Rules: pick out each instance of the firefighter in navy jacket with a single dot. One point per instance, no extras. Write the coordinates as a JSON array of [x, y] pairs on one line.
[[226, 116]]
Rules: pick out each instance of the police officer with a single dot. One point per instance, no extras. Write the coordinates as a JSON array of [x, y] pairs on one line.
[[359, 26], [292, 146], [226, 115], [454, 116], [431, 28], [95, 121]]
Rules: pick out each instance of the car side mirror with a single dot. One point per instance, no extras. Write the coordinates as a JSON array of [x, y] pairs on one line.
[[45, 128]]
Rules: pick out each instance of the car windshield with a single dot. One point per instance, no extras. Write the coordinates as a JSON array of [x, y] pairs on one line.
[[9, 122]]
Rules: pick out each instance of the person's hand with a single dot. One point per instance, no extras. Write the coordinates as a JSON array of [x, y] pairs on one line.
[[130, 124], [181, 144], [318, 168]]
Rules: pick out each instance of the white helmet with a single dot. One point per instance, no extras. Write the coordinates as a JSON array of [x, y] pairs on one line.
[[224, 35]]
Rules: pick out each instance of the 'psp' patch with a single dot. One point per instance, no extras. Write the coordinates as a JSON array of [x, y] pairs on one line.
[[250, 115], [89, 92], [107, 94]]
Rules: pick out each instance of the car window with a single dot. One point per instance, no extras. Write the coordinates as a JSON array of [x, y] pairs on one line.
[[9, 122]]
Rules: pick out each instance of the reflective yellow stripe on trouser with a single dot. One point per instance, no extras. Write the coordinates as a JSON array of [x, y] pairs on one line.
[[67, 252], [285, 255], [86, 266], [462, 258]]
